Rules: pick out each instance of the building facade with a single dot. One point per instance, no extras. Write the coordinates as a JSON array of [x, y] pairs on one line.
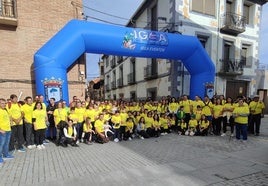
[[228, 30], [24, 27]]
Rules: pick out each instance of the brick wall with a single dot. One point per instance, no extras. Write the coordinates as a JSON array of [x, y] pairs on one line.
[[38, 21]]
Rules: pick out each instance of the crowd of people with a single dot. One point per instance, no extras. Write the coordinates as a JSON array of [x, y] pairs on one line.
[[29, 124]]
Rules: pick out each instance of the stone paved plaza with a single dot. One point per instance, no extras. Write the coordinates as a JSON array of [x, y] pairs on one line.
[[168, 160]]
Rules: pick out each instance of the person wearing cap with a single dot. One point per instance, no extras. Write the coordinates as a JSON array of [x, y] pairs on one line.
[[256, 107]]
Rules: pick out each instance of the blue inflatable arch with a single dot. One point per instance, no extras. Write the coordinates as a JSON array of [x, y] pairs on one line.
[[52, 60]]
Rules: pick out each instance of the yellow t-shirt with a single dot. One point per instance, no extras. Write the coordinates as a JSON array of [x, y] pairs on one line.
[[217, 110], [183, 125], [5, 124], [59, 114], [241, 110], [28, 112], [156, 124], [129, 126], [164, 123], [204, 124], [196, 103], [207, 108], [99, 125], [80, 112], [193, 123], [92, 113], [15, 112], [148, 122], [173, 107], [73, 117], [256, 107], [70, 131], [198, 114], [87, 128], [124, 117], [116, 120], [40, 119], [187, 106]]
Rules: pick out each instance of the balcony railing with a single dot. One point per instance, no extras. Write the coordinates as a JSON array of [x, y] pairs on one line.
[[131, 78], [119, 59], [233, 24], [113, 62], [120, 82], [113, 85], [8, 12], [232, 67], [150, 72]]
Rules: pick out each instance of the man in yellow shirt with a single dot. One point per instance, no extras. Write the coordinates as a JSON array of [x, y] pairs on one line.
[[240, 114], [15, 112], [256, 109], [5, 131], [27, 110]]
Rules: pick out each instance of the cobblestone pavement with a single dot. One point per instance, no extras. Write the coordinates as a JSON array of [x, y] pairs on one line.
[[168, 160]]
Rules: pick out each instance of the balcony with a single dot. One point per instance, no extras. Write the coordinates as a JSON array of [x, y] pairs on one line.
[[113, 85], [107, 87], [233, 24], [131, 78], [119, 59], [120, 82], [150, 72], [112, 62], [8, 13], [232, 67]]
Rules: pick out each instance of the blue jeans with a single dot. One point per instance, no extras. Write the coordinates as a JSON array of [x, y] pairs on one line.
[[241, 129], [4, 143]]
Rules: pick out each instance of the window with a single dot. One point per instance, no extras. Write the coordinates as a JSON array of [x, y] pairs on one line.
[[203, 40], [204, 6], [245, 55], [248, 13]]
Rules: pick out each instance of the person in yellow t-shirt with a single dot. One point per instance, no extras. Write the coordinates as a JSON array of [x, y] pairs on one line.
[[228, 119], [70, 134], [203, 126], [27, 110], [116, 123], [156, 125], [99, 130], [39, 120], [129, 129], [14, 110], [87, 132], [240, 115], [80, 112], [257, 110], [141, 128], [217, 117], [149, 124], [5, 131], [192, 126]]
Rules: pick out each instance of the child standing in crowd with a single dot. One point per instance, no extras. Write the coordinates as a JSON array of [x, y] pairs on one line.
[[180, 117], [39, 122], [228, 116], [87, 132], [156, 125], [5, 132]]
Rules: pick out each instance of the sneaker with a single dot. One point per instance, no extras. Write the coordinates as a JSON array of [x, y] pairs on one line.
[[21, 150], [11, 152], [43, 146], [82, 140], [8, 157], [141, 137], [223, 134], [39, 147], [232, 135], [162, 134], [129, 138], [45, 142], [77, 142], [116, 140]]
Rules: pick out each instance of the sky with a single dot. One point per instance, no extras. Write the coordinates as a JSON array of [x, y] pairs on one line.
[[120, 8], [97, 9]]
